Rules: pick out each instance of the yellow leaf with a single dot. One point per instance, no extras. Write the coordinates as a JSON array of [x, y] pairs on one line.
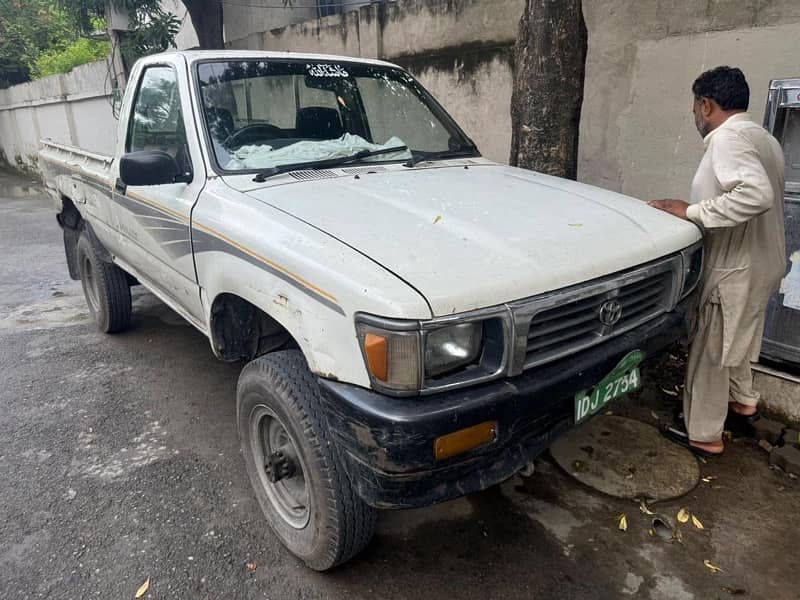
[[143, 589], [623, 522], [437, 219], [696, 522], [683, 515], [644, 509], [711, 567], [650, 532]]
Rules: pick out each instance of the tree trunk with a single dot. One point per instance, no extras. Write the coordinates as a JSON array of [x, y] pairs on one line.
[[550, 60], [207, 20]]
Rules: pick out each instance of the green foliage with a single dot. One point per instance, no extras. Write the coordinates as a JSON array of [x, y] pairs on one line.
[[77, 53], [27, 28], [42, 37]]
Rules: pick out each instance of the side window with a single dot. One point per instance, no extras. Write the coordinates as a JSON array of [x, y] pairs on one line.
[[157, 120]]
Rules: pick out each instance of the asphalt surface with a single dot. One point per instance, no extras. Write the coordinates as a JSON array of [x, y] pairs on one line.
[[119, 461]]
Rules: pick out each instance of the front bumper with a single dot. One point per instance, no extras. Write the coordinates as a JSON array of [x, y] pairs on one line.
[[387, 443]]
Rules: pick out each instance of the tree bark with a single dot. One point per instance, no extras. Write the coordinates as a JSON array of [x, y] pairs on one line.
[[207, 20], [549, 65]]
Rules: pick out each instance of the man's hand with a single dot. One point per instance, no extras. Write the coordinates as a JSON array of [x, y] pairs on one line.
[[673, 207]]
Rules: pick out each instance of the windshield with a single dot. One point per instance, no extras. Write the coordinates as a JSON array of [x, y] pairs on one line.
[[261, 114]]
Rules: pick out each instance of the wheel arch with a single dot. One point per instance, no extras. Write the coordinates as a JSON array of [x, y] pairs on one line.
[[239, 329]]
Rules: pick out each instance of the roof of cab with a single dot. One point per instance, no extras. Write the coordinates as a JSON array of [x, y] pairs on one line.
[[195, 55]]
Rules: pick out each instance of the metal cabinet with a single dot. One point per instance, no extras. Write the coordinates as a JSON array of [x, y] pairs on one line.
[[782, 328]]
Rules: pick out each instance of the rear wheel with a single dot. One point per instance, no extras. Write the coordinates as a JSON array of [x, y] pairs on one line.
[[106, 288], [293, 466]]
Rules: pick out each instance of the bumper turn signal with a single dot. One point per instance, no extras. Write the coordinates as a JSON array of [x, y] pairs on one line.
[[464, 440]]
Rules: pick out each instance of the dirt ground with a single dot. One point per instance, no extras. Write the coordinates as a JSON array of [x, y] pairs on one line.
[[119, 461]]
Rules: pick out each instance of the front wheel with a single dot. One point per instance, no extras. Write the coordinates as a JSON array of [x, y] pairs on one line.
[[298, 479]]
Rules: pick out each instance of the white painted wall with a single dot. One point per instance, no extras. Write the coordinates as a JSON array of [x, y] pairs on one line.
[[74, 108]]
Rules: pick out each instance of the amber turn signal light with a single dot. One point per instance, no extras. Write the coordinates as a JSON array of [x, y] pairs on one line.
[[376, 348], [464, 440]]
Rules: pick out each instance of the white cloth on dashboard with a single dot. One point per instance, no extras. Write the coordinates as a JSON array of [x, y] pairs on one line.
[[263, 156]]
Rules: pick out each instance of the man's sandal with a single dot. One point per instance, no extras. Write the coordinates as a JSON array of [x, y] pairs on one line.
[[676, 433], [741, 425]]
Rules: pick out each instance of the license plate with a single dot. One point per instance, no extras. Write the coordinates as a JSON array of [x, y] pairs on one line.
[[623, 379]]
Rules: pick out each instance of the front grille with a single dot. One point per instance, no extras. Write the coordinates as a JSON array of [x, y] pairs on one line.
[[573, 322]]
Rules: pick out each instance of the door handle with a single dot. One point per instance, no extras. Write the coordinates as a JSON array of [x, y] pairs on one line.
[[120, 187]]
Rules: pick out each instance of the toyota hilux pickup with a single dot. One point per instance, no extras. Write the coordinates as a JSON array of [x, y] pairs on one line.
[[418, 322]]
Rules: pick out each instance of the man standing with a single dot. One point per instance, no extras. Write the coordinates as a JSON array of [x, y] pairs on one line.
[[737, 199]]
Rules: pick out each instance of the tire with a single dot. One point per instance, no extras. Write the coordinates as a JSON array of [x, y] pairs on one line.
[[105, 287], [329, 524]]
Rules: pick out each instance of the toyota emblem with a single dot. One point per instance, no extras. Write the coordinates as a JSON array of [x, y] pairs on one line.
[[610, 312]]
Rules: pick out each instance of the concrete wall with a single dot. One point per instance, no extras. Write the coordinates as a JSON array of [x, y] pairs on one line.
[[241, 20], [637, 135], [74, 108], [637, 132]]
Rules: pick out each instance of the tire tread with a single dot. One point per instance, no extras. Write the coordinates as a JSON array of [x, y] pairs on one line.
[[352, 521]]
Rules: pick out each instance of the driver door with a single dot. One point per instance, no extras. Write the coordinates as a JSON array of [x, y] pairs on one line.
[[155, 220]]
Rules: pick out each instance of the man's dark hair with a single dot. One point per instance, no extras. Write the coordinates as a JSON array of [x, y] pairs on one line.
[[724, 85]]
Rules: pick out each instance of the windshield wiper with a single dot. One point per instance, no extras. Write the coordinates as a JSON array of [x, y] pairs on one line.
[[325, 162], [419, 156]]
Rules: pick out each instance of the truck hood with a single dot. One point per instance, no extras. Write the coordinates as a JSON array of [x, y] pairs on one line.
[[475, 237]]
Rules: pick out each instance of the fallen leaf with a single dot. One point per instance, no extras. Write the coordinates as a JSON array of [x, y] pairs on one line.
[[733, 591], [143, 588], [711, 567], [669, 392], [709, 479], [650, 532], [437, 219], [683, 516], [644, 509], [251, 566], [575, 224], [697, 523], [623, 522]]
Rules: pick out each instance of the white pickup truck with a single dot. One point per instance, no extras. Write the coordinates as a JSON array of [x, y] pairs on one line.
[[420, 322]]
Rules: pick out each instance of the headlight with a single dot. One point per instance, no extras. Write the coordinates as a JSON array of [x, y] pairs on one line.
[[692, 269], [453, 347], [405, 357]]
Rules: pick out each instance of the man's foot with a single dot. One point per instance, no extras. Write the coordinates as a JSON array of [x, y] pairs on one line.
[[677, 433], [715, 448], [744, 410], [740, 419]]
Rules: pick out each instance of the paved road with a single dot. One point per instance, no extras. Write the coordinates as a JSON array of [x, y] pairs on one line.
[[119, 461]]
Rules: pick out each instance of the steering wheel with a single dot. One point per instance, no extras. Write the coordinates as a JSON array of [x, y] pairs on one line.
[[252, 133]]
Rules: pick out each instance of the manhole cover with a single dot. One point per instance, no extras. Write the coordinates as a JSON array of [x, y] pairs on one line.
[[627, 459]]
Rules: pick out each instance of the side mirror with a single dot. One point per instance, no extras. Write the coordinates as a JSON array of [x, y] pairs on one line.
[[150, 167]]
